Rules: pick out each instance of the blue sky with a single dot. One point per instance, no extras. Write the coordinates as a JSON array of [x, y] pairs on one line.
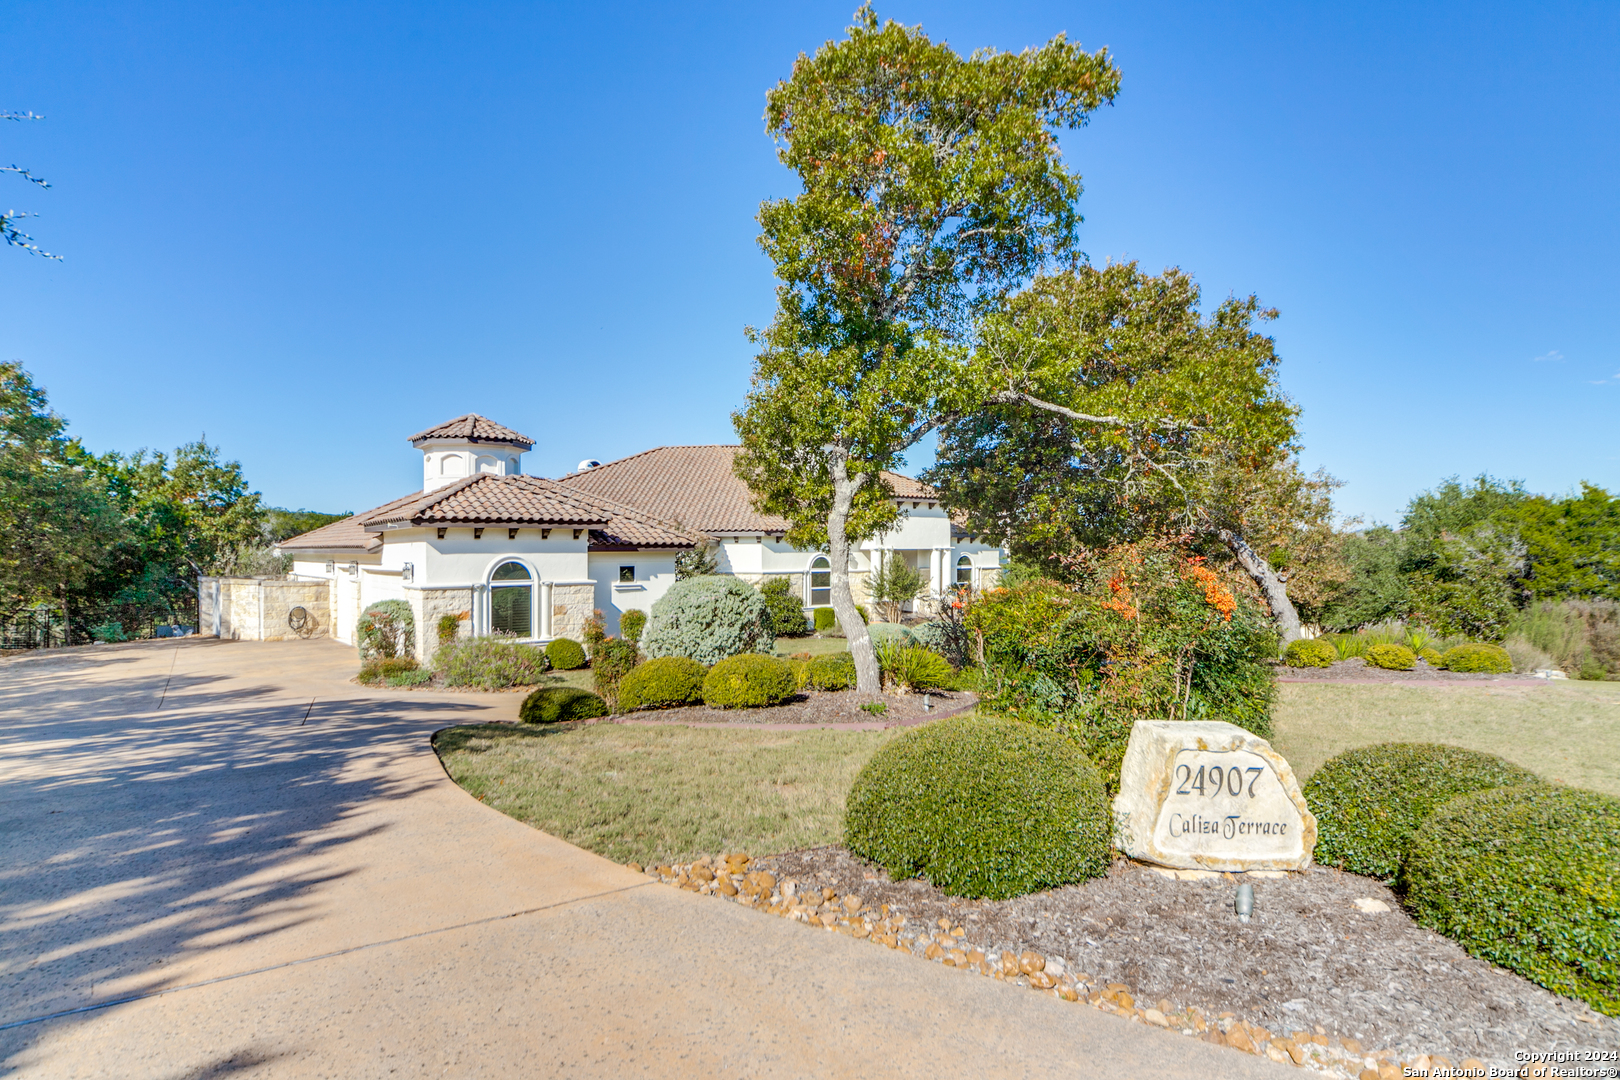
[[310, 230]]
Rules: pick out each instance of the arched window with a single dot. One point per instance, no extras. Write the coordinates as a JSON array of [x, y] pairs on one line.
[[486, 464], [511, 599], [964, 570], [450, 465], [820, 581]]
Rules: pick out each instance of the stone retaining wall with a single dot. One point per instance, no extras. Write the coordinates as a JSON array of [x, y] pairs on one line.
[[258, 609]]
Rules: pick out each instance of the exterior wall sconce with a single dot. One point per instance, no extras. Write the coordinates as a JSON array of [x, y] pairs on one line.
[[407, 572], [331, 567], [353, 569]]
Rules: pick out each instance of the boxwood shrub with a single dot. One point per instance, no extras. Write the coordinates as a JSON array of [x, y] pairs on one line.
[[565, 654], [1314, 652], [981, 808], [1430, 655], [708, 618], [826, 619], [749, 681], [1527, 878], [1370, 801], [787, 611], [1391, 657], [834, 671], [556, 704], [665, 683], [1475, 656]]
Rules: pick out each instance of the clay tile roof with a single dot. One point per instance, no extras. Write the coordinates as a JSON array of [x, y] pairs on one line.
[[473, 428], [695, 486], [346, 535], [489, 499]]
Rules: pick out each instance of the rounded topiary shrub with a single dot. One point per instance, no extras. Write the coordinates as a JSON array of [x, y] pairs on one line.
[[826, 619], [991, 808], [556, 704], [834, 671], [1310, 653], [1370, 801], [665, 683], [1474, 656], [1430, 656], [749, 681], [632, 623], [708, 619], [1391, 657], [1527, 878], [565, 654]]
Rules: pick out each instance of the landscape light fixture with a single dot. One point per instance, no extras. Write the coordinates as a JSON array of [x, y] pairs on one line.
[[1245, 902]]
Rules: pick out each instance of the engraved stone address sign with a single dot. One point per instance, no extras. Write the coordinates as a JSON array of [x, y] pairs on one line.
[[1208, 795]]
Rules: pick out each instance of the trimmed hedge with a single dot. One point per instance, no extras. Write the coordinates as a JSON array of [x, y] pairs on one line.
[[1369, 802], [632, 623], [565, 654], [1474, 656], [834, 671], [1527, 878], [1391, 657], [826, 619], [749, 681], [1314, 652], [708, 619], [665, 683], [1430, 656], [980, 807], [557, 704]]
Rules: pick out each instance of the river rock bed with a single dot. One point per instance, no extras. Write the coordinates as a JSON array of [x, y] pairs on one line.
[[1315, 979]]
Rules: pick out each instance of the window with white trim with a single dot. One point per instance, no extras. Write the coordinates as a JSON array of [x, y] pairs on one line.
[[511, 600], [820, 581], [964, 570]]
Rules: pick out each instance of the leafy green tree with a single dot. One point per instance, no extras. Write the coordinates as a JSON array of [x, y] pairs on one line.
[[1119, 411], [1376, 589], [893, 583], [932, 186], [1572, 544], [282, 524], [56, 519]]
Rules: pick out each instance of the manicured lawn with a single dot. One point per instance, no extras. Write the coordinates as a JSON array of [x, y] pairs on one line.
[[661, 794], [1567, 731], [787, 646]]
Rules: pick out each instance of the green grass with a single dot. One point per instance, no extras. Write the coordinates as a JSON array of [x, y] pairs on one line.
[[787, 646], [661, 794], [1567, 732]]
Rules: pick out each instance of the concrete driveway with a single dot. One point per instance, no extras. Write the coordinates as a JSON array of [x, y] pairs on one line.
[[225, 859]]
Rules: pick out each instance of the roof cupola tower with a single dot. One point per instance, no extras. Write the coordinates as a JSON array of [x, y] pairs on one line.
[[467, 446]]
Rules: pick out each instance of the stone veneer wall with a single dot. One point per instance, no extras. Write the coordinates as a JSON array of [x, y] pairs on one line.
[[571, 605], [256, 609], [428, 605]]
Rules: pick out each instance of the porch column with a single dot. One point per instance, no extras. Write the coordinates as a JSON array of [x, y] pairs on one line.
[[545, 609], [936, 580]]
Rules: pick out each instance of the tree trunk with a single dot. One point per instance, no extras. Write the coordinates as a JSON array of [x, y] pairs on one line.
[[1271, 586], [868, 678]]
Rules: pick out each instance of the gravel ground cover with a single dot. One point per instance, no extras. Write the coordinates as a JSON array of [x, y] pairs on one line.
[[1310, 960]]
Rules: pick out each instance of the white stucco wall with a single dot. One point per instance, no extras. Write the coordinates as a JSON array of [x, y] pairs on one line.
[[654, 574]]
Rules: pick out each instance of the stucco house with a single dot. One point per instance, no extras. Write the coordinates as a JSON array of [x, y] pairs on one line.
[[532, 557]]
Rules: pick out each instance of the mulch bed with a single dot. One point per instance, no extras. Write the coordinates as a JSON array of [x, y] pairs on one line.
[[1357, 670], [818, 707], [1308, 957]]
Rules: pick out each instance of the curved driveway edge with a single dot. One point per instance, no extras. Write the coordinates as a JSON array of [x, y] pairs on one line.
[[271, 862]]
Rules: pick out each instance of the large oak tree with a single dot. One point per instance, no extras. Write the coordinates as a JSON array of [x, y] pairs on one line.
[[932, 188]]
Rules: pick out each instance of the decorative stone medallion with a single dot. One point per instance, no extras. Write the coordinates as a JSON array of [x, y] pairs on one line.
[[1208, 795]]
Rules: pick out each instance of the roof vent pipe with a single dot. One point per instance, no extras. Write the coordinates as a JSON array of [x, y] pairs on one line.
[[587, 464]]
